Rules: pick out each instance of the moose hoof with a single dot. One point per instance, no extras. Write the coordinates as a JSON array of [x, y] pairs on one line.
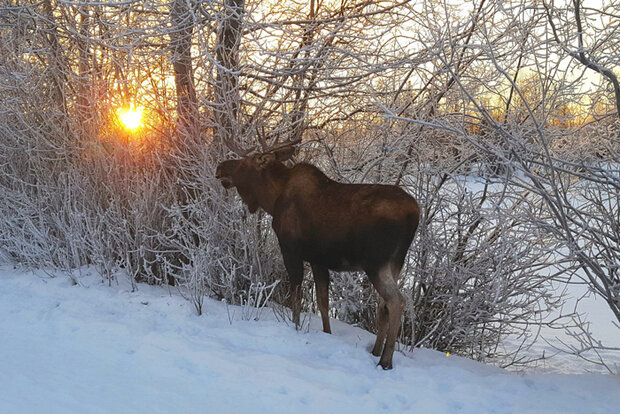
[[384, 365], [376, 353]]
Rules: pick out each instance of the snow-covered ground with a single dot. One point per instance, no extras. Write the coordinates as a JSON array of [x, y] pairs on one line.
[[555, 343], [99, 349]]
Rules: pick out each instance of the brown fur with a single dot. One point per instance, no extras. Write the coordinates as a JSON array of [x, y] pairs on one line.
[[333, 226]]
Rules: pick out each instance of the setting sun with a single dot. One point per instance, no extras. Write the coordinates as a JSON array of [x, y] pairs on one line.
[[131, 117]]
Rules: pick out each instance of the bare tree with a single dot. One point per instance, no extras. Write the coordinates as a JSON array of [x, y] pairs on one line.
[[584, 54]]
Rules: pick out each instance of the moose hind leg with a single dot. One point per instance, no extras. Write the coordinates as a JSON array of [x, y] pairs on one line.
[[385, 283], [382, 327], [321, 282]]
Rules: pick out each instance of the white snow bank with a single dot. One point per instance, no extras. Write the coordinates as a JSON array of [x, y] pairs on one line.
[[99, 349]]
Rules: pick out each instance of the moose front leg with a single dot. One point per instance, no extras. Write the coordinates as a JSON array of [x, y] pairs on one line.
[[295, 269], [296, 303]]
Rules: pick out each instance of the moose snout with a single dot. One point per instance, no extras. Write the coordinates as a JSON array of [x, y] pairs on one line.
[[224, 179]]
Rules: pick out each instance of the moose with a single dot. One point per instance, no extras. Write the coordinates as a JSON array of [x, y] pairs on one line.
[[332, 226]]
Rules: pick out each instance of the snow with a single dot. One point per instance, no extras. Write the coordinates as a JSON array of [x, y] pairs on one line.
[[94, 348]]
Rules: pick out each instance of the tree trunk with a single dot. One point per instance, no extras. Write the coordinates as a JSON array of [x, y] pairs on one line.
[[227, 99], [57, 65], [182, 20]]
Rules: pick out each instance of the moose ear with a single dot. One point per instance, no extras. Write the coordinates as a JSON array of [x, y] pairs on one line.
[[263, 159], [285, 153]]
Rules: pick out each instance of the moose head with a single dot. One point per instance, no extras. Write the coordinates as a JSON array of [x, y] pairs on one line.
[[247, 175]]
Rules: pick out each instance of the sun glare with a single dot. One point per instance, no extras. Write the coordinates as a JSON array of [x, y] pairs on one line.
[[131, 117]]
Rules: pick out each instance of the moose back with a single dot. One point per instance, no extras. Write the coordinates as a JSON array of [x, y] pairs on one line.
[[332, 226]]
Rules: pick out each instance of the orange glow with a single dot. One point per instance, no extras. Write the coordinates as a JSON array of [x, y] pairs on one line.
[[131, 117]]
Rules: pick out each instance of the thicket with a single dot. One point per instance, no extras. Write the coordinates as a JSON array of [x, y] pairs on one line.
[[518, 179]]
